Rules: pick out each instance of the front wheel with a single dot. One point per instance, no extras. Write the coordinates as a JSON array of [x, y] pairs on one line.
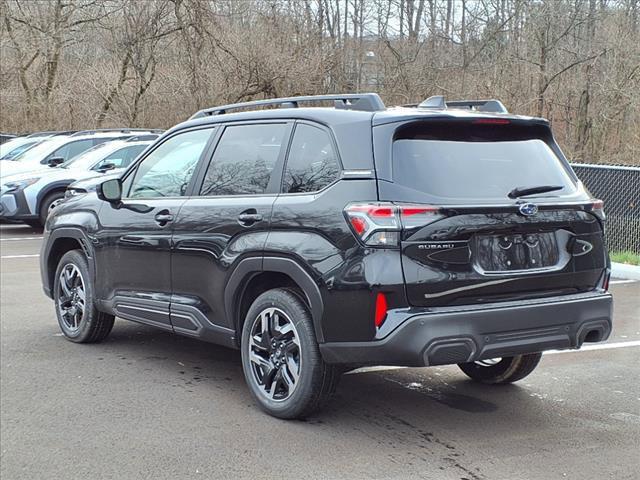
[[501, 370], [49, 204], [281, 359], [78, 317]]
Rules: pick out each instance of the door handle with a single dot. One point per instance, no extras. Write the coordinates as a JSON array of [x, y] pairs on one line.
[[247, 218], [163, 217]]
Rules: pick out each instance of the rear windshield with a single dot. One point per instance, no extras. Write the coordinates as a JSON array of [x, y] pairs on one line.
[[459, 162]]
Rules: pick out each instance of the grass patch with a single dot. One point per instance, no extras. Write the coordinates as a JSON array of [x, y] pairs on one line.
[[625, 257]]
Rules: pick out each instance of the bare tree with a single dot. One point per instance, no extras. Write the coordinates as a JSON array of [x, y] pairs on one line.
[[82, 63]]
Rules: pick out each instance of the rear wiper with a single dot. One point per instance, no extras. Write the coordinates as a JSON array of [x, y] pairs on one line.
[[524, 191]]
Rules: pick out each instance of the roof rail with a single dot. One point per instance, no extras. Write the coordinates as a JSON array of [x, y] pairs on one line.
[[439, 102], [148, 137], [368, 102], [117, 130], [50, 133]]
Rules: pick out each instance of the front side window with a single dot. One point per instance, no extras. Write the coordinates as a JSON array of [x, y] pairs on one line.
[[244, 160], [121, 158], [312, 163], [167, 170]]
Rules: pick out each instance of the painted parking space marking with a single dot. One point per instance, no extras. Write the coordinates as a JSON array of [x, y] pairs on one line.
[[34, 255], [19, 239], [586, 348], [600, 346]]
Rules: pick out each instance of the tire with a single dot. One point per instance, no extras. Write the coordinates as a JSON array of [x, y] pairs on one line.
[[80, 325], [507, 370], [288, 380], [48, 203], [34, 224]]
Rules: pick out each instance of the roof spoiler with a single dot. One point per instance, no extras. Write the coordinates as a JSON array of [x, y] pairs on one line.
[[367, 102], [438, 102]]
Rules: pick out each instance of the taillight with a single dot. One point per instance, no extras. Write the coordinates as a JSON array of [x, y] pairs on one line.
[[381, 309], [379, 224], [597, 207]]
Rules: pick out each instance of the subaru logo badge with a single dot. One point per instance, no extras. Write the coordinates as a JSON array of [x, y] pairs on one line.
[[528, 209]]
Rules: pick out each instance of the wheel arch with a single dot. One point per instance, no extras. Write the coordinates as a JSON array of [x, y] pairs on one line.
[[60, 242], [254, 276], [57, 186]]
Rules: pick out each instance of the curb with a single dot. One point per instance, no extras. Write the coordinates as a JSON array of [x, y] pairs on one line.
[[622, 270]]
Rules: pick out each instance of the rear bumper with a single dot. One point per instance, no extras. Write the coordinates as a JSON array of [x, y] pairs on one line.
[[452, 335]]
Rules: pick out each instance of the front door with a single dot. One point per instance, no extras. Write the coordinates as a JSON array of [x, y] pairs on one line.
[[133, 248], [223, 223]]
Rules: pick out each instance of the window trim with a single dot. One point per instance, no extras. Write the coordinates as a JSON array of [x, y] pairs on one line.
[[276, 175], [329, 132], [133, 168]]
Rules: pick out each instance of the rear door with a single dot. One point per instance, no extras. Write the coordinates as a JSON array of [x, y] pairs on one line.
[[225, 220], [477, 244]]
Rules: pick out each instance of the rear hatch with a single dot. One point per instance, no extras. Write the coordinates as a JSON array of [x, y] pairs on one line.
[[490, 211]]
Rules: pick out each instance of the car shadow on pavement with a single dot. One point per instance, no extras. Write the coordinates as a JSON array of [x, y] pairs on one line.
[[429, 416], [412, 392]]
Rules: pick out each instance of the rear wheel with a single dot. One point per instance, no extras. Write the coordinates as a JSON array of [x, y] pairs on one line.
[[501, 370], [78, 317], [281, 359]]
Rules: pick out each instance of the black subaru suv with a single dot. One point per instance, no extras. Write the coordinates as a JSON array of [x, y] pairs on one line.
[[318, 239]]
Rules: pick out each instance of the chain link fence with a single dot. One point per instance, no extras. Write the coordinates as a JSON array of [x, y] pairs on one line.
[[619, 188]]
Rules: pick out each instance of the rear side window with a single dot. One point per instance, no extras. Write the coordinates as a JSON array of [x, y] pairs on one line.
[[464, 161], [312, 163], [70, 150], [244, 160]]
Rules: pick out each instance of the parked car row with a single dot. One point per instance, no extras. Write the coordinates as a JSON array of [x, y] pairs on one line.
[[36, 169]]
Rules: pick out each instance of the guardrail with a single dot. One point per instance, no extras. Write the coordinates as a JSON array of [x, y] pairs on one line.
[[619, 188]]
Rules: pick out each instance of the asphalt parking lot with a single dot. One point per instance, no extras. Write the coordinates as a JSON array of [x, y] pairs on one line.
[[146, 404]]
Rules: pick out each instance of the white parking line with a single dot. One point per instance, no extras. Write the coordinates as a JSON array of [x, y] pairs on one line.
[[618, 282], [16, 239], [585, 348], [20, 256], [599, 346]]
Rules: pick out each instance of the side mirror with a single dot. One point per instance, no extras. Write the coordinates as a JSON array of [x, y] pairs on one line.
[[105, 167], [110, 190], [55, 161]]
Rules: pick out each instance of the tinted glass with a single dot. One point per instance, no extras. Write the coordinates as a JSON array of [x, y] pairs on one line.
[[312, 163], [485, 163], [167, 170], [71, 149], [244, 160]]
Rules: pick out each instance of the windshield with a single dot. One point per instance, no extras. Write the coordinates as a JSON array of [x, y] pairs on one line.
[[16, 146], [477, 167], [37, 153]]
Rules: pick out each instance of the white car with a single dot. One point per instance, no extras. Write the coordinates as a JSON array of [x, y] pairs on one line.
[[18, 145], [30, 196], [59, 149]]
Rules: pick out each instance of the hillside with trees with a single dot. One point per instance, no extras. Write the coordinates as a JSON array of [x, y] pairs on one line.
[[88, 63]]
